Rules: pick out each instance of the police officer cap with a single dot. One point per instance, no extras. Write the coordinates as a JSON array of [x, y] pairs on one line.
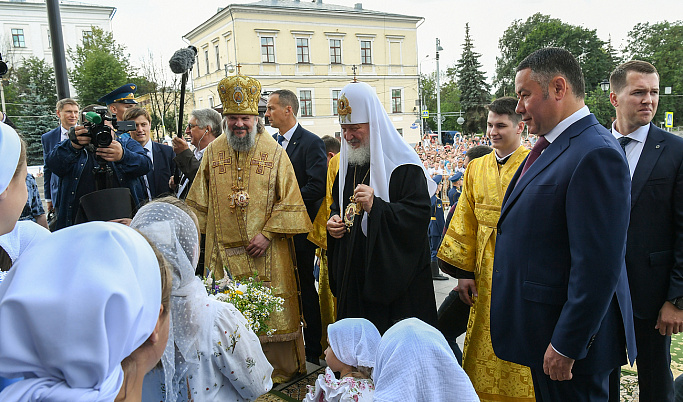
[[457, 176], [122, 94], [437, 178]]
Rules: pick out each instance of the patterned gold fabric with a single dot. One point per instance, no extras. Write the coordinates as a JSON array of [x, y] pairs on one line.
[[469, 244], [318, 236], [275, 209]]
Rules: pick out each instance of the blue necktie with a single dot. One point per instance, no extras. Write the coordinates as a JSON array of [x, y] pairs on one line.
[[280, 138], [623, 141]]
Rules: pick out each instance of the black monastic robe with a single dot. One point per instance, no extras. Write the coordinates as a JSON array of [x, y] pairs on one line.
[[386, 276]]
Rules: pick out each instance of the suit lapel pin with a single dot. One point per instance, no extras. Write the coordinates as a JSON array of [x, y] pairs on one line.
[[657, 146]]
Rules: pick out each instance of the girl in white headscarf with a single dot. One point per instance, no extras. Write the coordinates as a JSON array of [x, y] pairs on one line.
[[415, 363], [211, 348], [82, 316], [353, 345], [13, 193]]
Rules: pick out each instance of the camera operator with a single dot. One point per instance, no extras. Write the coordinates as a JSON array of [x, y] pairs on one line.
[[74, 161], [118, 101]]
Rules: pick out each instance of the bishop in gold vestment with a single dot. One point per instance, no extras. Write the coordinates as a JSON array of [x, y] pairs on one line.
[[469, 245], [238, 196]]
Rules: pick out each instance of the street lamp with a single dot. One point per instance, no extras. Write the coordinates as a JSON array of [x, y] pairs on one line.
[[604, 84], [438, 91], [421, 94]]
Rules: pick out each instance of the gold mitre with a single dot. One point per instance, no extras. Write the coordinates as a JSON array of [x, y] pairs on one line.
[[239, 94]]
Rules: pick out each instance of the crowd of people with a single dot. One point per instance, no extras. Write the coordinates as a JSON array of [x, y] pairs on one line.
[[565, 244]]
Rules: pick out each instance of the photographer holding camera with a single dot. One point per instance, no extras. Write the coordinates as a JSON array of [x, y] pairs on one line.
[[93, 159]]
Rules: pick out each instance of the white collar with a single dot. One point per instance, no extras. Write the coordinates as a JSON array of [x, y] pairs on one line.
[[639, 135], [288, 135], [564, 124]]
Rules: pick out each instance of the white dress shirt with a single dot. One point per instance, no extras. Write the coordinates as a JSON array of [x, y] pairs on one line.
[[288, 135], [635, 147]]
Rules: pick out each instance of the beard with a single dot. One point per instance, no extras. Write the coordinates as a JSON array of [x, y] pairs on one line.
[[359, 156], [240, 144]]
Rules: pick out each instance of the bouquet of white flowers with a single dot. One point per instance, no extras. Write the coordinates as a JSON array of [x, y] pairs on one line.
[[250, 296]]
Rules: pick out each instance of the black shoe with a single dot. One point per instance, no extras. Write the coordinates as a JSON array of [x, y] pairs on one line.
[[313, 360], [439, 277], [436, 275]]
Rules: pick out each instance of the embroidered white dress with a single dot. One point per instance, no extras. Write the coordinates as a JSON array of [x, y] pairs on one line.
[[348, 389]]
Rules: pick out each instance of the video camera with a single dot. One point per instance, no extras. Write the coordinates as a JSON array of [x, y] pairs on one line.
[[98, 131]]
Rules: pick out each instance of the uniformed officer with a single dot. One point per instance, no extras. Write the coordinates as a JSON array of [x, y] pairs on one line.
[[120, 100], [454, 192], [436, 226]]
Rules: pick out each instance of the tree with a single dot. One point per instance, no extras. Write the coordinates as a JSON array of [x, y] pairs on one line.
[[660, 44], [598, 103], [100, 66], [36, 119], [474, 91], [165, 96], [30, 71], [450, 102], [522, 38]]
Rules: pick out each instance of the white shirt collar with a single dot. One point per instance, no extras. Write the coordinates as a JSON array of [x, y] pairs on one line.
[[64, 133], [288, 135], [639, 135], [564, 124]]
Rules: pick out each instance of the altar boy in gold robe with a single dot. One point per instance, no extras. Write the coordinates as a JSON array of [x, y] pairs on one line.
[[469, 246], [249, 206]]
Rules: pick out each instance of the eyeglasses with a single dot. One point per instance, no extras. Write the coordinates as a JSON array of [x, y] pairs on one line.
[[190, 125]]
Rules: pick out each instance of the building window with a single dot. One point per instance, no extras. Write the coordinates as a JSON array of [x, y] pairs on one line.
[[302, 55], [18, 37], [211, 101], [306, 102], [267, 49], [400, 131], [335, 51], [197, 63], [218, 58], [49, 39], [206, 59], [335, 101], [396, 101], [366, 52], [87, 38]]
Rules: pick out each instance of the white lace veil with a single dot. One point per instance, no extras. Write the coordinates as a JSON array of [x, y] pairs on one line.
[[175, 234]]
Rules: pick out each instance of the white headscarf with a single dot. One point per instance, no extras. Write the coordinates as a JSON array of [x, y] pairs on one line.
[[72, 308], [10, 150], [175, 234], [415, 363], [21, 237], [359, 104], [354, 341]]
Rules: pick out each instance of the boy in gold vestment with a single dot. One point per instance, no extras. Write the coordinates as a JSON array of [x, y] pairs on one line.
[[469, 245]]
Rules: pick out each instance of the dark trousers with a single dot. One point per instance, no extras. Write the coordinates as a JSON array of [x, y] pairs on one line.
[[453, 315], [305, 256], [655, 380], [581, 388], [434, 243]]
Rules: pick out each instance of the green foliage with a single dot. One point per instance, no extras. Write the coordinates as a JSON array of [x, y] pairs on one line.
[[36, 118], [598, 103], [100, 66], [35, 72], [450, 102], [660, 44], [522, 38], [474, 91]]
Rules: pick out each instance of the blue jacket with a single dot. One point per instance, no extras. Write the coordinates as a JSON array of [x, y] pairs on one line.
[[50, 183], [559, 274], [68, 163]]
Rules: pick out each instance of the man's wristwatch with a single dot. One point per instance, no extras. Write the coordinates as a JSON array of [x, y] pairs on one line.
[[678, 302]]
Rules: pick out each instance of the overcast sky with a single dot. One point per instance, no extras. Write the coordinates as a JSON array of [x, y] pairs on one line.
[[158, 25]]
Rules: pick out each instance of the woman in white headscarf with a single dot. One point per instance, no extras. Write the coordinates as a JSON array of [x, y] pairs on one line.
[[211, 348], [415, 363], [13, 193], [82, 316], [353, 345]]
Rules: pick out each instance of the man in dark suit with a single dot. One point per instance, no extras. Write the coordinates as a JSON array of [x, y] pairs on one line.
[[307, 153], [561, 305], [654, 247], [67, 113], [436, 226], [156, 181]]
